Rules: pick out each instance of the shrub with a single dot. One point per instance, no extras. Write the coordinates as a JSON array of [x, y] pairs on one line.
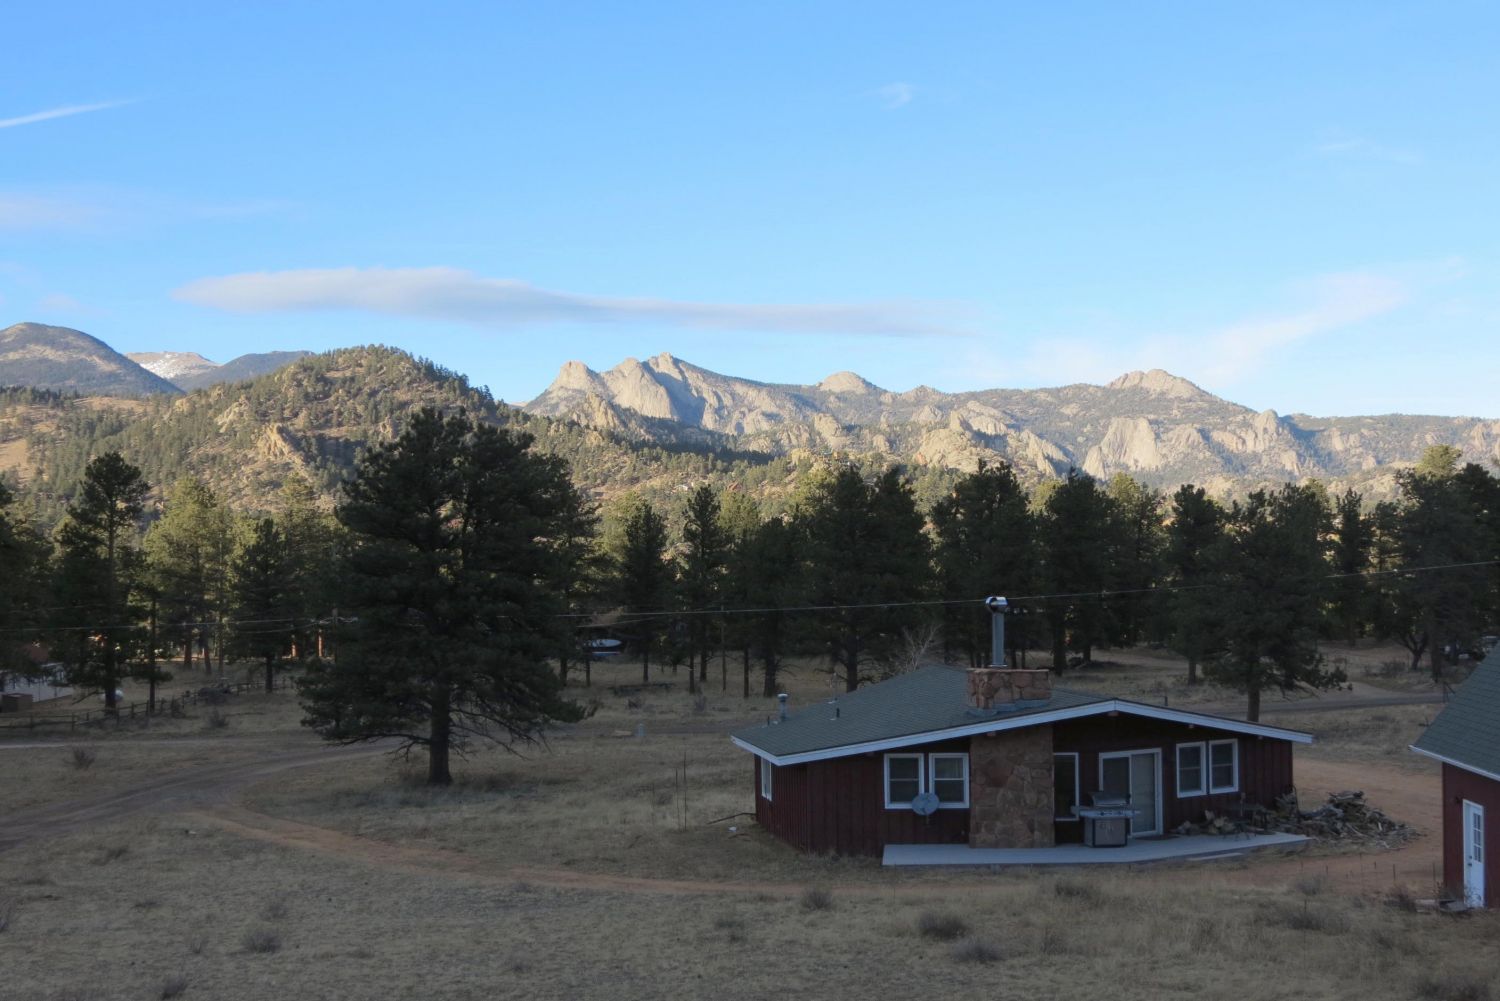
[[1310, 886], [7, 913], [700, 703], [216, 720], [1403, 900], [975, 950], [1077, 889], [732, 925], [83, 757], [276, 910], [815, 898], [941, 926], [261, 940], [113, 854], [173, 987], [197, 944], [1307, 918]]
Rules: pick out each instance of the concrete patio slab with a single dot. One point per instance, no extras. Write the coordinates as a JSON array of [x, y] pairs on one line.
[[1200, 847]]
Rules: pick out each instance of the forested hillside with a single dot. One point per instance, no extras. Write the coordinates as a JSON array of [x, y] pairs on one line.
[[313, 418]]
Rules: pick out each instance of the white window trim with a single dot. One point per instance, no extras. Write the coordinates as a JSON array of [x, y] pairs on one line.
[[932, 760], [1209, 765], [921, 781], [767, 779], [1077, 782], [1203, 778]]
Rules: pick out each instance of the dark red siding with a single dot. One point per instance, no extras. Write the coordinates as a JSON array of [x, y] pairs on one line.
[[1459, 785], [838, 806], [1265, 763]]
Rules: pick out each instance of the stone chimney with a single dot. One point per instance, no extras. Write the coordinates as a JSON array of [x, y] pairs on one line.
[[999, 687]]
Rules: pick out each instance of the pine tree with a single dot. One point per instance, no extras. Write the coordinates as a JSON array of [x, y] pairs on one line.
[[774, 579], [986, 539], [23, 563], [1195, 537], [452, 579], [643, 577], [188, 553], [261, 600], [582, 568], [98, 567], [1350, 607], [867, 556], [700, 571], [1138, 613], [1275, 582], [1079, 539]]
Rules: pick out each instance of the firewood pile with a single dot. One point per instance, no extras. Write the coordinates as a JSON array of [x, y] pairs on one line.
[[1345, 817]]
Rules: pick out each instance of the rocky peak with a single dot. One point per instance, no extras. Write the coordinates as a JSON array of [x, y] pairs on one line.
[[847, 382], [1159, 382]]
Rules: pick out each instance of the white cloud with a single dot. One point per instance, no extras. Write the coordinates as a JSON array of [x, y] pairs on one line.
[[452, 294], [895, 95], [1218, 357], [1362, 148], [63, 112], [30, 211]]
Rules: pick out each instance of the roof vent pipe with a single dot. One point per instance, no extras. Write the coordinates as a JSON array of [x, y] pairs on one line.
[[997, 606], [781, 706]]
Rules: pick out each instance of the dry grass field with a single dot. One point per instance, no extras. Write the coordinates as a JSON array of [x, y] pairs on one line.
[[568, 872]]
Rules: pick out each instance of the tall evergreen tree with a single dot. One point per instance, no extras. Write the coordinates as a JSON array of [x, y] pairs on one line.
[[314, 552], [1079, 539], [188, 553], [643, 577], [1195, 535], [1275, 578], [261, 601], [582, 571], [1138, 553], [1351, 606], [868, 556], [452, 578], [700, 571], [774, 580], [985, 544], [23, 562], [98, 566]]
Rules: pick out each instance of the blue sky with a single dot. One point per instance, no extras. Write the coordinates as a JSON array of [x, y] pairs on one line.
[[1294, 205]]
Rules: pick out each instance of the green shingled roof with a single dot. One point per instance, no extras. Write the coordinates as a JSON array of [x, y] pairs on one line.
[[1467, 732], [934, 698]]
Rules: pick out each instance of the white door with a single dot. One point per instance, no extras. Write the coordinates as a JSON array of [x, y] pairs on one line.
[[1473, 854], [1138, 775]]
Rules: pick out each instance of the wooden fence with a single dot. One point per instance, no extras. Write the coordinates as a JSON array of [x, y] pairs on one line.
[[119, 714]]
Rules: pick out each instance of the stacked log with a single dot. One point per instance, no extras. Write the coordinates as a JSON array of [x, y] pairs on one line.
[[1345, 817]]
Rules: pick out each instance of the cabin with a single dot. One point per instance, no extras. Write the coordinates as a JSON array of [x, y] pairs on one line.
[[1465, 738], [997, 758]]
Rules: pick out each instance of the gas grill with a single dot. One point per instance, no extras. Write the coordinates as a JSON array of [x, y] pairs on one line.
[[1106, 823]]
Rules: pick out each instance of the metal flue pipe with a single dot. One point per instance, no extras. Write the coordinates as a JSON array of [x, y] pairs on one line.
[[997, 606]]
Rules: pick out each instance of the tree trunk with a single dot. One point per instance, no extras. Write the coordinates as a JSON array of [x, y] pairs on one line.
[[187, 654], [151, 660], [1252, 710], [1059, 649], [270, 673], [1192, 669], [747, 673], [646, 664], [110, 702], [440, 735]]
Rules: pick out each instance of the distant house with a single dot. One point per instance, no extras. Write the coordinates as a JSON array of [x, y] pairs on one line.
[[1465, 737], [997, 758]]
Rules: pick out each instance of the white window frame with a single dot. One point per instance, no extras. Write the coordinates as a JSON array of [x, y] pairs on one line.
[[921, 780], [1077, 783], [1235, 761], [932, 779], [767, 779], [1203, 778]]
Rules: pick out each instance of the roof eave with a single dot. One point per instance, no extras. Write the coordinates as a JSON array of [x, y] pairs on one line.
[[1453, 761], [1021, 722]]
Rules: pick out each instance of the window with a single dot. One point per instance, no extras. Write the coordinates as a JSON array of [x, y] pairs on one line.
[[767, 779], [948, 777], [1223, 765], [1190, 778], [903, 779], [1064, 786]]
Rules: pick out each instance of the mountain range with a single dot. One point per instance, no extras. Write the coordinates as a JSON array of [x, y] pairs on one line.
[[61, 358], [1155, 426], [662, 425]]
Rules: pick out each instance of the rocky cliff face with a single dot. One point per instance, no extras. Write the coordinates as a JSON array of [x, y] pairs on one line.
[[1153, 425]]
